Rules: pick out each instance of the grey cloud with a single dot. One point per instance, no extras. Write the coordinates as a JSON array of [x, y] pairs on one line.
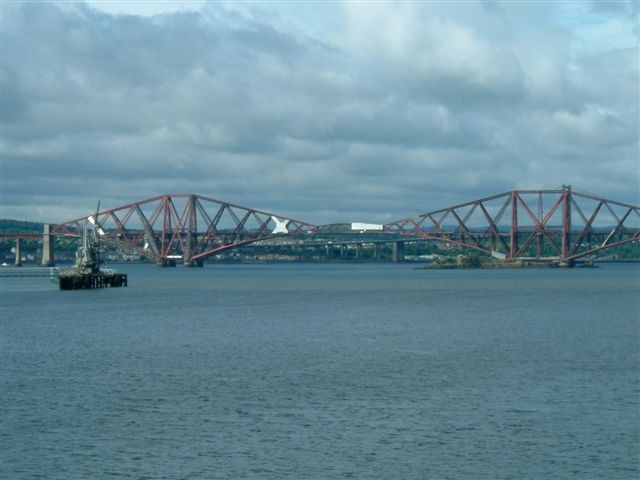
[[240, 107]]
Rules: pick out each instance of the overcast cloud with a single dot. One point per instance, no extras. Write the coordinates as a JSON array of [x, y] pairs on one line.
[[324, 112]]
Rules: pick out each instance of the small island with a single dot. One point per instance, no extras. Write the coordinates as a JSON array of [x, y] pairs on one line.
[[477, 261]]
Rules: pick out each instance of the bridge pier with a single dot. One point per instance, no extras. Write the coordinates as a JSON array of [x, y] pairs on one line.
[[18, 262], [166, 262], [398, 251], [328, 251], [193, 263], [540, 245], [567, 263], [47, 247]]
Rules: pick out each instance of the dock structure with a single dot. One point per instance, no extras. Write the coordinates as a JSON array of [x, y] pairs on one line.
[[87, 273], [75, 280]]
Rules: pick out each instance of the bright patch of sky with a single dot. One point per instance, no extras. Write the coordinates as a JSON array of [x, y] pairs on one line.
[[597, 30], [145, 9]]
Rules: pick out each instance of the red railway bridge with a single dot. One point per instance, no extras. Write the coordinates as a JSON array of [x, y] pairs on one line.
[[559, 225]]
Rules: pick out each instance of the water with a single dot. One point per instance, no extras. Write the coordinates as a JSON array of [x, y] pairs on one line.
[[324, 371]]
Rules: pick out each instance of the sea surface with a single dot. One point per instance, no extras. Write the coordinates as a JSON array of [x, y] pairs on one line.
[[323, 371]]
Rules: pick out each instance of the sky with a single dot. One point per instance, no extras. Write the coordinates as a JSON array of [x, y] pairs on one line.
[[320, 111]]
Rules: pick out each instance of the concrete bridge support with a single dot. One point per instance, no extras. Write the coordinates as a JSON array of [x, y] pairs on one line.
[[166, 262], [18, 262], [47, 247], [398, 251], [193, 263], [567, 263]]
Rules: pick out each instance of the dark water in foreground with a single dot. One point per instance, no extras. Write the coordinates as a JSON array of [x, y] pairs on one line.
[[324, 371]]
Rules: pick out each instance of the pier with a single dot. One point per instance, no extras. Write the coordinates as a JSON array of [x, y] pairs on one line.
[[74, 280]]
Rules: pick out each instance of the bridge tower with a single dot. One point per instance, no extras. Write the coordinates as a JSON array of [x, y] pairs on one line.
[[566, 226], [513, 234], [18, 262], [191, 239], [47, 247]]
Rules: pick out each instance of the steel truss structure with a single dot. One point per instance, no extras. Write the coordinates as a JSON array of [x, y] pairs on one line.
[[558, 225], [183, 227], [545, 224]]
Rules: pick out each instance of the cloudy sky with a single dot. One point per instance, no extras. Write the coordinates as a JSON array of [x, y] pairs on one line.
[[321, 111]]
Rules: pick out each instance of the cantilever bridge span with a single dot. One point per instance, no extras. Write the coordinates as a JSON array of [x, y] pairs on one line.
[[560, 225], [184, 227]]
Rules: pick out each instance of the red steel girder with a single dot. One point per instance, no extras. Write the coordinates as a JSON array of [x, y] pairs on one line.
[[559, 233], [192, 227], [165, 227]]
